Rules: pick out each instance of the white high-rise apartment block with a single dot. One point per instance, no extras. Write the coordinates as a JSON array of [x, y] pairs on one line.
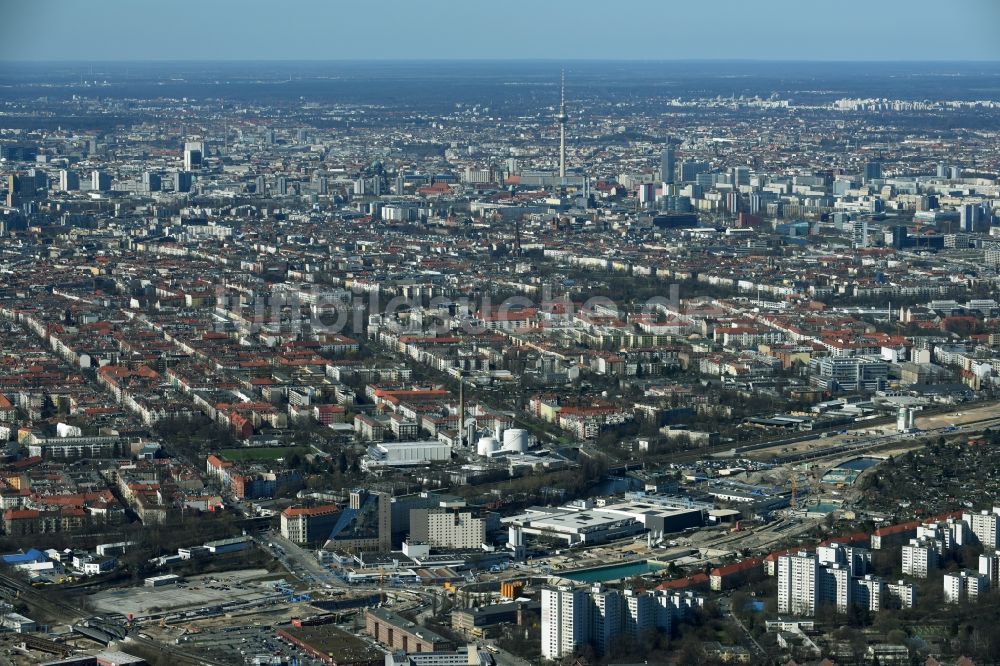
[[868, 592], [949, 534], [798, 583], [857, 560], [965, 585], [831, 554], [835, 586], [919, 557], [565, 620], [989, 566], [574, 615], [900, 594], [984, 526], [606, 617], [665, 608], [640, 613]]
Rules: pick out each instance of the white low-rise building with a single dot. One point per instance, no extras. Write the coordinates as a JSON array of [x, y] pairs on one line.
[[402, 454], [575, 527]]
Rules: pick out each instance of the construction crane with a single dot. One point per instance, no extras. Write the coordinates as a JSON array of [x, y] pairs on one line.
[[810, 476]]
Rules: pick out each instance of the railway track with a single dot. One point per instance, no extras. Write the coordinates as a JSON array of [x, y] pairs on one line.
[[60, 608]]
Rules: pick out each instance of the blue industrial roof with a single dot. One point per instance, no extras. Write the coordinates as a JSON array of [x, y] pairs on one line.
[[33, 555]]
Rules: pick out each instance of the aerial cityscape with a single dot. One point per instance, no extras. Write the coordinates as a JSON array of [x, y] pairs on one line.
[[591, 354]]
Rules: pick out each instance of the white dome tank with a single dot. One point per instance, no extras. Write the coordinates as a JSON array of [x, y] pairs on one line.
[[487, 446], [515, 439]]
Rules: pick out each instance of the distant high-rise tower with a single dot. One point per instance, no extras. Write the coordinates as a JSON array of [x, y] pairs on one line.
[[461, 411], [562, 118], [100, 181], [182, 181], [873, 170], [151, 182], [194, 153], [69, 180], [667, 160]]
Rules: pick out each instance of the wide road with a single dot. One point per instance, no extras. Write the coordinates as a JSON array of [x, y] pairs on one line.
[[300, 562]]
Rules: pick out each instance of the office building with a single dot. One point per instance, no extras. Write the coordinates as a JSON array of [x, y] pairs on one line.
[[667, 163], [466, 655], [453, 529], [873, 170], [646, 194], [399, 634], [182, 181], [194, 152], [308, 524], [192, 160], [896, 237], [151, 182], [100, 181], [478, 176], [964, 586], [69, 181], [366, 524], [734, 202], [691, 169], [848, 373], [20, 188], [968, 216], [706, 181]]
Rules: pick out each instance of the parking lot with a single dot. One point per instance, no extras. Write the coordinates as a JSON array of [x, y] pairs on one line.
[[197, 592], [248, 644], [258, 642]]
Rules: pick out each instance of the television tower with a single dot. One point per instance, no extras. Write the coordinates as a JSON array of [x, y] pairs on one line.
[[561, 118]]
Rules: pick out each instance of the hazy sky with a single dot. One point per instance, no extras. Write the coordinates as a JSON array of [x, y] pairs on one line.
[[93, 30]]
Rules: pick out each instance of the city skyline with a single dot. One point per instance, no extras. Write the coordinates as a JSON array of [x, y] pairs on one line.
[[858, 32], [480, 335]]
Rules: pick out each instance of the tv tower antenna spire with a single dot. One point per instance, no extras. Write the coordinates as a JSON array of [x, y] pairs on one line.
[[562, 124]]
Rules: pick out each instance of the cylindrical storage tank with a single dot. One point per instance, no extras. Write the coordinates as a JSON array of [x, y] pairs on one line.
[[487, 446], [910, 419], [515, 439]]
